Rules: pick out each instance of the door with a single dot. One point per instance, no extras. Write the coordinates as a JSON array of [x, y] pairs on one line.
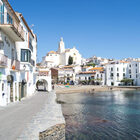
[[11, 91]]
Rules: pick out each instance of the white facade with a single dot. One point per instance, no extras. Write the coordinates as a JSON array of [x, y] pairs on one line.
[[45, 76], [84, 76], [61, 57], [134, 72], [17, 78], [100, 77], [98, 60], [115, 73], [68, 73], [52, 59]]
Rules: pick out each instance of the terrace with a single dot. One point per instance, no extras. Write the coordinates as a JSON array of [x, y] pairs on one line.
[[12, 27], [15, 65], [3, 60]]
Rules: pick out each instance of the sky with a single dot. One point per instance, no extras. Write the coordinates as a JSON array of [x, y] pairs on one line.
[[105, 28]]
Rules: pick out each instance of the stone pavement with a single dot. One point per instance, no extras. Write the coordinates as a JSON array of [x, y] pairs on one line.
[[24, 120]]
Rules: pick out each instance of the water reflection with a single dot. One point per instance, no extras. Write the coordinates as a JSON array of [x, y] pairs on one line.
[[103, 115]]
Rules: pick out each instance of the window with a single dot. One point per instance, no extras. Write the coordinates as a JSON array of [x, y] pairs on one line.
[[30, 45], [117, 69], [9, 19], [2, 86], [25, 55], [117, 74], [123, 69], [136, 65], [13, 54], [1, 45], [123, 74], [111, 69], [136, 76], [111, 75], [136, 71], [1, 13], [130, 76], [129, 71], [130, 66]]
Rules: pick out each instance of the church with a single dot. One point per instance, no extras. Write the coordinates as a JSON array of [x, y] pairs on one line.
[[61, 56]]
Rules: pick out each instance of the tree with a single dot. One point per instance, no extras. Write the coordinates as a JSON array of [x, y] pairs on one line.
[[91, 64], [70, 62], [127, 81]]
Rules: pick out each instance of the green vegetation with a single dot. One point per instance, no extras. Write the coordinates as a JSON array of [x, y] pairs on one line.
[[91, 64], [70, 61], [127, 81]]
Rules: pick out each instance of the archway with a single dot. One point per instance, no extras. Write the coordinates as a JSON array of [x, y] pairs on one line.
[[42, 85]]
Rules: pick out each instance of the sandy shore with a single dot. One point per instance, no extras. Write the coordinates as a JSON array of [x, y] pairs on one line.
[[89, 89]]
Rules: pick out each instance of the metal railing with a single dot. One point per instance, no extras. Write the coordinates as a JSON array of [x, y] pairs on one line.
[[15, 64], [15, 24], [32, 62], [3, 60], [30, 46]]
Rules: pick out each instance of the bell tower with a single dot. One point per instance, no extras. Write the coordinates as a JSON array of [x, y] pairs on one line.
[[61, 47]]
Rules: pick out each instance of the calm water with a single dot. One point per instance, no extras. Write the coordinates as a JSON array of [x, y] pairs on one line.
[[102, 116]]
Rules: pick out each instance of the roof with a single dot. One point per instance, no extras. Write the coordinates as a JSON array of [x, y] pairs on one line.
[[124, 62], [87, 72], [23, 19], [68, 66], [52, 52], [97, 68]]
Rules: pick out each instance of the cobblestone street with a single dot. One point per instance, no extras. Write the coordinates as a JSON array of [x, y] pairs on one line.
[[25, 119]]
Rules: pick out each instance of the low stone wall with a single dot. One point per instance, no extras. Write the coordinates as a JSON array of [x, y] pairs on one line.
[[56, 132]]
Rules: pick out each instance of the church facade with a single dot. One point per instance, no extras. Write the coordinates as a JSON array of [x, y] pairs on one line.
[[61, 56]]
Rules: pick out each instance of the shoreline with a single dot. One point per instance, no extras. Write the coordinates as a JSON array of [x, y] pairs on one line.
[[90, 89]]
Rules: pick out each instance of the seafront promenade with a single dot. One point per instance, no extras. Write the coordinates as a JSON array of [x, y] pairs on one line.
[[24, 120], [91, 88]]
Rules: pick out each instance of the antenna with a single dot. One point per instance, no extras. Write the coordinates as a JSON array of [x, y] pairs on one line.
[[32, 25]]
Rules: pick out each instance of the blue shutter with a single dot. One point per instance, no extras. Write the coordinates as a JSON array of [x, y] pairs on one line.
[[2, 14]]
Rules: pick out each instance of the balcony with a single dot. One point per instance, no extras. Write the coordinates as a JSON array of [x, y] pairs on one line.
[[30, 46], [32, 62], [3, 60], [15, 65], [12, 28]]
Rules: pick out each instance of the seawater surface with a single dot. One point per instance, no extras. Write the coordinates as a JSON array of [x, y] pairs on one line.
[[102, 115]]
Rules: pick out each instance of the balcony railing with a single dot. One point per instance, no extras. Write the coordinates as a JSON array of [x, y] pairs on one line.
[[14, 25], [15, 64], [19, 28], [3, 60], [32, 62], [30, 46]]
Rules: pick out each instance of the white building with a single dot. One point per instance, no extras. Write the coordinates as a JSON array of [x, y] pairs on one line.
[[134, 72], [27, 53], [14, 36], [98, 60], [67, 74], [44, 76], [61, 57], [85, 76], [116, 72]]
